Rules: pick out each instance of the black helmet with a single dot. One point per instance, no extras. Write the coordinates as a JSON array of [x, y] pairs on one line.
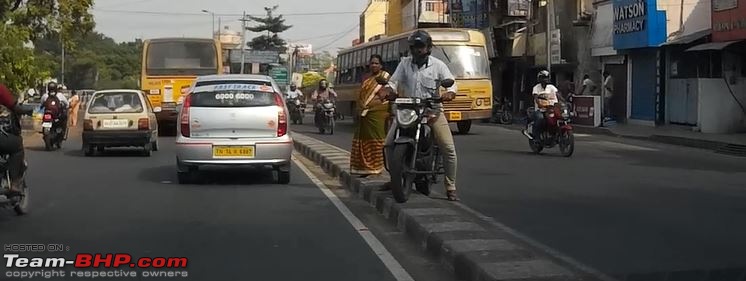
[[52, 87], [420, 37], [293, 87]]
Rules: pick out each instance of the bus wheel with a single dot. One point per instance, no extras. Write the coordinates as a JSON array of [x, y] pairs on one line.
[[464, 127]]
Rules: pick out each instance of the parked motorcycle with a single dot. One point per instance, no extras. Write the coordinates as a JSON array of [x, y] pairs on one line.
[[557, 131], [415, 158], [54, 130], [325, 120], [297, 108], [501, 113]]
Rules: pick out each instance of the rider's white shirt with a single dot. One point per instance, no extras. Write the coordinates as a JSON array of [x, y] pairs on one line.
[[420, 82], [295, 94], [551, 91]]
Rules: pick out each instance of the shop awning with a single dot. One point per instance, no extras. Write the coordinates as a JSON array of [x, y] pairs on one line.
[[689, 38], [713, 46]]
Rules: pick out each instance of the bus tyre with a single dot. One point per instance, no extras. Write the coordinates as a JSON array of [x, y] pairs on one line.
[[464, 127]]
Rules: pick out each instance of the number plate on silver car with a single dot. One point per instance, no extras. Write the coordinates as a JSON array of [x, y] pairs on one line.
[[405, 101]]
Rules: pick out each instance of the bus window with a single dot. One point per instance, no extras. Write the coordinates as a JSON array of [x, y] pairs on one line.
[[181, 58], [465, 62]]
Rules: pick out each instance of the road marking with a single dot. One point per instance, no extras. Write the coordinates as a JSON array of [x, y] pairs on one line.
[[617, 145], [388, 260], [525, 238]]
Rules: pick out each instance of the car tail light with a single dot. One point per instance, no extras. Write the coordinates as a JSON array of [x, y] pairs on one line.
[[184, 118], [143, 124], [47, 117], [88, 125], [282, 123]]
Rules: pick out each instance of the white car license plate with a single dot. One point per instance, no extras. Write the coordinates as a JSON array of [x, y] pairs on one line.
[[46, 125], [116, 123]]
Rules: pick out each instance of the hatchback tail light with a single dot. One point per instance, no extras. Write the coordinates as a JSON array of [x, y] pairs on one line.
[[282, 122], [184, 118], [143, 124], [47, 117]]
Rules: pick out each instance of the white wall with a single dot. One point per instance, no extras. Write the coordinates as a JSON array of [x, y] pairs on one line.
[[697, 15], [718, 111], [408, 16]]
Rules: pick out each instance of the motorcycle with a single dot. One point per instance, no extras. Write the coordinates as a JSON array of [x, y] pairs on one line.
[[415, 158], [18, 201], [501, 113], [325, 120], [557, 131], [296, 108], [53, 130]]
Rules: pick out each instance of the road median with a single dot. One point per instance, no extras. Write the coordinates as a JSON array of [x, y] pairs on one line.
[[467, 244]]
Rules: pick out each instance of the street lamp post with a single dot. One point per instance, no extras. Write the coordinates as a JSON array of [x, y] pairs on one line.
[[213, 21]]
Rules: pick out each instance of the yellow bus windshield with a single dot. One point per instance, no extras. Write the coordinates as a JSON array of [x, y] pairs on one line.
[[187, 58], [465, 62]]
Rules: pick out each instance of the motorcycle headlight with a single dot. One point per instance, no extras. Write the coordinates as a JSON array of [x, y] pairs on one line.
[[406, 117], [297, 102]]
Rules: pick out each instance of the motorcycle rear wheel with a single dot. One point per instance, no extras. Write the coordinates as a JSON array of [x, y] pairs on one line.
[[401, 183]]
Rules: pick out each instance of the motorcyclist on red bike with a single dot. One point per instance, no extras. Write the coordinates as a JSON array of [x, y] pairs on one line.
[[545, 94]]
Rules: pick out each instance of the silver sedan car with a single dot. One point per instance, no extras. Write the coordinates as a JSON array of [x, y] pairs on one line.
[[233, 120]]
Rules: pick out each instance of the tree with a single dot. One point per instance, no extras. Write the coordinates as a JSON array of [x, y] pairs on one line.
[[25, 21], [272, 25]]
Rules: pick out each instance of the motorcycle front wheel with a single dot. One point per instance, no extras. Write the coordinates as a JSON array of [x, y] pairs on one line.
[[567, 143], [536, 146], [401, 182], [21, 207]]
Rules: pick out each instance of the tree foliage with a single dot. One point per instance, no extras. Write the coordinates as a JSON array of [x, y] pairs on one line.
[[25, 21], [272, 25], [97, 63]]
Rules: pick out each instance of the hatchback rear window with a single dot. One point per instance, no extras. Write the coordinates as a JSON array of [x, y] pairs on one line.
[[116, 102], [223, 82]]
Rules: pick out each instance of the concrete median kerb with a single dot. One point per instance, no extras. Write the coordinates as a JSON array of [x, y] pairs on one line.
[[464, 243]]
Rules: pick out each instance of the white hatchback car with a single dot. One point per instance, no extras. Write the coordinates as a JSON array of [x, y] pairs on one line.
[[233, 120]]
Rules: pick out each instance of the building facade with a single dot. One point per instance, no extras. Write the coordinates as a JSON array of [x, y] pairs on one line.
[[373, 20]]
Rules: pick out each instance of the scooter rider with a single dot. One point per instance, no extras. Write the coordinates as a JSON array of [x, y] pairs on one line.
[[418, 74], [319, 95], [11, 142], [545, 94], [294, 92]]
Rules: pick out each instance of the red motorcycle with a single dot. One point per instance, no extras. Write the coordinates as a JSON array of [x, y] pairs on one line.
[[557, 131]]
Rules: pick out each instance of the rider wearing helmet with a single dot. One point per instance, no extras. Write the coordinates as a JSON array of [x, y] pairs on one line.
[[418, 75], [318, 97], [53, 89], [545, 94], [294, 92], [11, 140]]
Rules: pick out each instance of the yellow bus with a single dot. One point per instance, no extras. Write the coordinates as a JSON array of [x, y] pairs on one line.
[[170, 66], [463, 50]]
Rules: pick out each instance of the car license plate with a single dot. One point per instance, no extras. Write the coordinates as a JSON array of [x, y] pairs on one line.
[[455, 115], [116, 123], [233, 151], [46, 125]]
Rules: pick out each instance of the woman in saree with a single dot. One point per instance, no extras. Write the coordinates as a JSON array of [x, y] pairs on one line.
[[366, 157]]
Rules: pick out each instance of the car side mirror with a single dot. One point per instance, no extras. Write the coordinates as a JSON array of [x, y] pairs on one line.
[[447, 83]]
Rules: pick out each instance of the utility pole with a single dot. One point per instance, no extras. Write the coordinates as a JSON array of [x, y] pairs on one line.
[[243, 39], [550, 28], [62, 43]]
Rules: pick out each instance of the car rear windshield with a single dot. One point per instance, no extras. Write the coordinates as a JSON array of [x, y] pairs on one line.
[[116, 102], [240, 82], [232, 98]]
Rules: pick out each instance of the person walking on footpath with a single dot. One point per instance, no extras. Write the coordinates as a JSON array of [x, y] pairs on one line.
[[608, 90], [74, 106]]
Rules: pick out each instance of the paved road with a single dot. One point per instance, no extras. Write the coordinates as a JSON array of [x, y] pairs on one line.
[[238, 226], [626, 208]]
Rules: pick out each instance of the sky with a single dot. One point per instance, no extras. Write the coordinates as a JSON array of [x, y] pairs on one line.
[[126, 20]]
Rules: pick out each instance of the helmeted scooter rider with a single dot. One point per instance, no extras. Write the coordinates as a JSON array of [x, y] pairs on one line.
[[318, 97]]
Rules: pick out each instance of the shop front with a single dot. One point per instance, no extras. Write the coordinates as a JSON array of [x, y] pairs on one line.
[[638, 31]]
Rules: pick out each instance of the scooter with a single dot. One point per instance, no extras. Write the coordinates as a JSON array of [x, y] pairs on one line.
[[326, 121], [415, 158], [296, 108]]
